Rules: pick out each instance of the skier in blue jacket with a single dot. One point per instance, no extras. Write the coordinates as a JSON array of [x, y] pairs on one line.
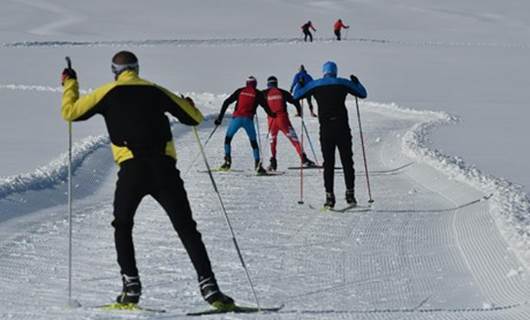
[[299, 79], [330, 93]]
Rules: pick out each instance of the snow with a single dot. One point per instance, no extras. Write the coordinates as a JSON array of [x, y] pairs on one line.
[[446, 132]]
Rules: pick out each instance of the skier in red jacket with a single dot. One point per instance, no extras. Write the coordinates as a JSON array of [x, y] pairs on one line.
[[338, 26], [277, 101]]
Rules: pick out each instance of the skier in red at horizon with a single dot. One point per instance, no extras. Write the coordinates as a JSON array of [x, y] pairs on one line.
[[306, 29], [337, 27], [277, 101]]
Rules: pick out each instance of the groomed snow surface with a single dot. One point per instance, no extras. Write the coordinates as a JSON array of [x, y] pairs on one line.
[[429, 249]]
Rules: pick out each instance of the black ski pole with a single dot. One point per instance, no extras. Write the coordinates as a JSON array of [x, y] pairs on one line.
[[226, 216], [71, 302], [364, 152], [310, 143], [199, 153]]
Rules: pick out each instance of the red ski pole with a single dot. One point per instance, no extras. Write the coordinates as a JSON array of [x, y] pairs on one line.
[[301, 201]]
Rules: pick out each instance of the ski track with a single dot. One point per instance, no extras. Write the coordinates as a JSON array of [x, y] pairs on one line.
[[430, 249], [228, 42]]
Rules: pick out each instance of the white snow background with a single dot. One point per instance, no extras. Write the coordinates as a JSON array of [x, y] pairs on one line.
[[464, 62]]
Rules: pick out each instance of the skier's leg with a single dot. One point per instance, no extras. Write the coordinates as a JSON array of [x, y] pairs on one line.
[[168, 190], [344, 143], [290, 133], [235, 125], [248, 125], [327, 144], [129, 192], [273, 136], [310, 37]]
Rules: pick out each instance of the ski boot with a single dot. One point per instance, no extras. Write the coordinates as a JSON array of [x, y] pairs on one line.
[[330, 200], [212, 294], [227, 164], [260, 171], [273, 166], [306, 162], [350, 197], [131, 292]]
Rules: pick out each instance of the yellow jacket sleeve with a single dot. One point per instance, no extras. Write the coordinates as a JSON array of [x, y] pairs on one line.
[[182, 109], [75, 108]]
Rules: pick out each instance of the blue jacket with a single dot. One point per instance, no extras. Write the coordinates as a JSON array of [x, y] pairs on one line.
[[299, 78], [330, 93]]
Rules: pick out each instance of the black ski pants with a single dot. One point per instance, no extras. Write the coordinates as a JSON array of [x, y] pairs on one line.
[[308, 34], [156, 176], [336, 134], [337, 34]]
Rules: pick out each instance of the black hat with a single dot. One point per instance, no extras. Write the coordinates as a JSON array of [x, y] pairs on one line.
[[272, 81]]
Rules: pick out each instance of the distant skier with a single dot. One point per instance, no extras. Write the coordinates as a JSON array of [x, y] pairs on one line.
[[337, 28], [142, 144], [301, 78], [247, 100], [277, 101], [306, 29], [330, 93]]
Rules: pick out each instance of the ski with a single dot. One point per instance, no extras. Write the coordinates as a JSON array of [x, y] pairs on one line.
[[311, 167], [236, 309], [129, 307], [220, 170], [268, 174], [349, 208]]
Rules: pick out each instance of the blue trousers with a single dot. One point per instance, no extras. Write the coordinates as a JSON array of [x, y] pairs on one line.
[[246, 123]]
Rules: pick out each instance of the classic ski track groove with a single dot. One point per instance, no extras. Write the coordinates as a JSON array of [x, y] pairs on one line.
[[226, 42], [387, 264]]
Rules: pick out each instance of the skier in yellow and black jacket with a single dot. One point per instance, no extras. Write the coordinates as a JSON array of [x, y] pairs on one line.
[[142, 144]]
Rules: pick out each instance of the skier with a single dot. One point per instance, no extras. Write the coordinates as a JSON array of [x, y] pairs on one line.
[[306, 29], [330, 93], [277, 101], [142, 144], [301, 78], [337, 27], [247, 100]]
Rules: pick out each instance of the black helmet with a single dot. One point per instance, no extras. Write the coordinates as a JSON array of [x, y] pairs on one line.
[[272, 81]]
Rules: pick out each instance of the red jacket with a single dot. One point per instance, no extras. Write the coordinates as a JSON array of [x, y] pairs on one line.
[[338, 25]]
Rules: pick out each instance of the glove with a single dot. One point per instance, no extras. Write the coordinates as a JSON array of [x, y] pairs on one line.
[[68, 73], [217, 121], [354, 79]]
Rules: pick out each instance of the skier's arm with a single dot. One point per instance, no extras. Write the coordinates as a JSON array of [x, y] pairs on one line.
[[355, 87], [303, 92], [182, 108], [75, 108], [289, 98], [228, 101], [263, 102]]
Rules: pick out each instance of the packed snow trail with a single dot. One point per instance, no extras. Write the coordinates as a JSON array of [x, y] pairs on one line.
[[418, 255]]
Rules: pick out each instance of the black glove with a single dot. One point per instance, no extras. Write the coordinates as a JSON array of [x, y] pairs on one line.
[[354, 79], [68, 73], [218, 121]]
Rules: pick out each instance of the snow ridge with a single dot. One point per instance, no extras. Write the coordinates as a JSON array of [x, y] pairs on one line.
[[53, 173], [510, 205]]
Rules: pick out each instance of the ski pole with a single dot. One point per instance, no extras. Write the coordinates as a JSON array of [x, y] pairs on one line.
[[301, 201], [70, 302], [227, 219], [364, 152], [309, 140], [199, 153]]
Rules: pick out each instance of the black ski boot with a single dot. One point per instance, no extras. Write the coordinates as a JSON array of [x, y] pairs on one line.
[[306, 162], [260, 171], [227, 164], [273, 166], [212, 294], [350, 197], [330, 200], [132, 290]]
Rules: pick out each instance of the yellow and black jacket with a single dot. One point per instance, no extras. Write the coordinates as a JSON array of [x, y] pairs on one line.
[[134, 112]]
